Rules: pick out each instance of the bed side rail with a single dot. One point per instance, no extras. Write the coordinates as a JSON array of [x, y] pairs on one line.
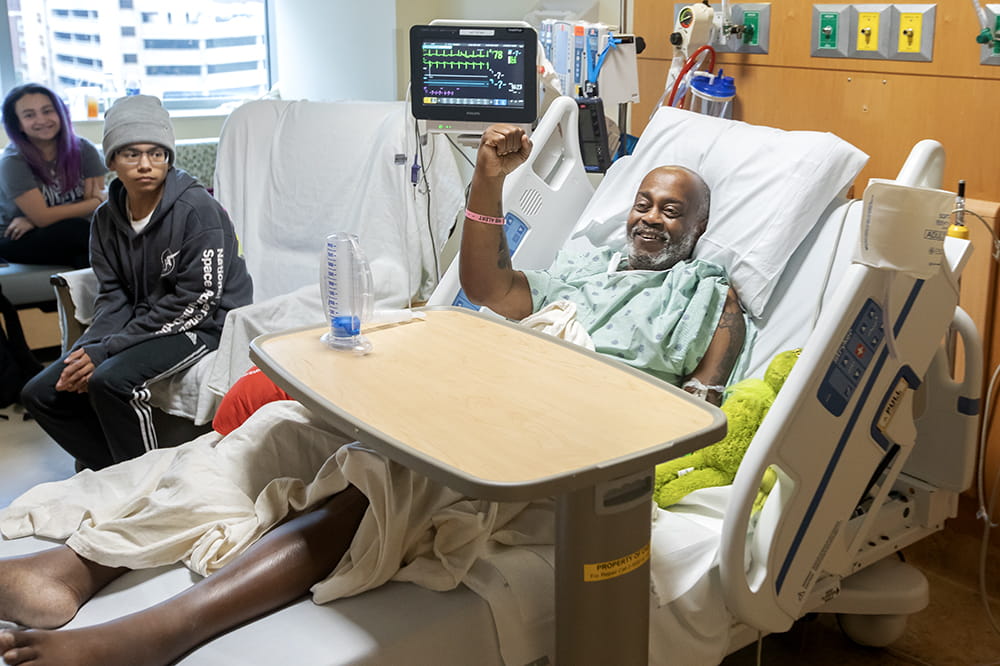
[[948, 413], [543, 198], [924, 166], [839, 432]]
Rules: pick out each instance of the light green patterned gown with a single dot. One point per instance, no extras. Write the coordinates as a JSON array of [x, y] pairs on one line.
[[657, 321]]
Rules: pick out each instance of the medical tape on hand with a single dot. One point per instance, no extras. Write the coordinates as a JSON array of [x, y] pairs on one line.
[[699, 390]]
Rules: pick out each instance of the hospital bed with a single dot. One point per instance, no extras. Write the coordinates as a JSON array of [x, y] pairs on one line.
[[863, 471]]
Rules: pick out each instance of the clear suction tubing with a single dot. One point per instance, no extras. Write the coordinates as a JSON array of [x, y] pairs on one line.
[[346, 283]]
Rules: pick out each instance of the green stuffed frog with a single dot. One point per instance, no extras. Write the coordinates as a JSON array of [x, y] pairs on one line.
[[745, 405]]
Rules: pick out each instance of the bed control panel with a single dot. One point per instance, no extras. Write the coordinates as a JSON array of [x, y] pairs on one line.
[[515, 229], [853, 358]]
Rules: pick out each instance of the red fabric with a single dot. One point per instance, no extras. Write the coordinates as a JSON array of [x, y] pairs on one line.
[[250, 392]]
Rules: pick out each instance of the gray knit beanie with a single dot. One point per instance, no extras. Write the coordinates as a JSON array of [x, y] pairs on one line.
[[137, 119]]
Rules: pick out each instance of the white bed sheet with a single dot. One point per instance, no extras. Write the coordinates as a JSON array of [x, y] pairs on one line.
[[398, 622]]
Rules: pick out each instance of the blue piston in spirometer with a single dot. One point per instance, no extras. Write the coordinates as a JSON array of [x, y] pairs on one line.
[[346, 283]]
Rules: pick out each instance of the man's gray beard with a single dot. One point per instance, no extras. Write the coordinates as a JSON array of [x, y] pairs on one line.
[[671, 254]]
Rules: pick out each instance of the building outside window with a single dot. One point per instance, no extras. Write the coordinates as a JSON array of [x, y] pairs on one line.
[[192, 54]]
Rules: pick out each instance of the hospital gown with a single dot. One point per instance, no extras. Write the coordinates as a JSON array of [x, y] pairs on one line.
[[658, 321]]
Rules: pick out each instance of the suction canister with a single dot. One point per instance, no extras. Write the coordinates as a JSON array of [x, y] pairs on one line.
[[712, 94]]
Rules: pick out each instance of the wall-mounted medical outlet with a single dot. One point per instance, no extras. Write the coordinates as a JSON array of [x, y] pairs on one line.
[[755, 19], [913, 32], [990, 54], [749, 27], [871, 30], [830, 31]]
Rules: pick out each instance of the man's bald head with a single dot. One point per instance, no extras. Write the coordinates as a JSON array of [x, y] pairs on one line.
[[670, 213]]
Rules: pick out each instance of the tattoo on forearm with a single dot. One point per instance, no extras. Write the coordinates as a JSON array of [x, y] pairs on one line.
[[733, 347], [503, 253], [733, 320], [733, 327]]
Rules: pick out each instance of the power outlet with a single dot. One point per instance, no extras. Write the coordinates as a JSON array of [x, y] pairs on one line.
[[830, 31]]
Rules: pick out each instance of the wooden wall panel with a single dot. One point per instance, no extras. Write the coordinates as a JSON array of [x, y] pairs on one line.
[[882, 106], [882, 114]]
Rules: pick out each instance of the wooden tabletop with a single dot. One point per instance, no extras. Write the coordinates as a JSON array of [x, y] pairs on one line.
[[488, 407]]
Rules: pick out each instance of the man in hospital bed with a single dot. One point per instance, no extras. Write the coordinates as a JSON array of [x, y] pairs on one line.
[[283, 534]]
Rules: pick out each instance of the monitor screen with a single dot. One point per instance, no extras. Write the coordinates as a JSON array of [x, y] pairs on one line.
[[473, 73]]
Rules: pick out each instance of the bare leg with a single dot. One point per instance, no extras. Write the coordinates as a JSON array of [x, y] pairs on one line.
[[277, 570], [45, 590]]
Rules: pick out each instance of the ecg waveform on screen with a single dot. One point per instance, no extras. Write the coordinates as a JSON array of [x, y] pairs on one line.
[[474, 68]]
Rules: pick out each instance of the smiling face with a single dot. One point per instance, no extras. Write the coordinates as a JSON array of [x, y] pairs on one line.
[[669, 215], [38, 117]]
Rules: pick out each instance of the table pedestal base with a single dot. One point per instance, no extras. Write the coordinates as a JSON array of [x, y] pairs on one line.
[[602, 573]]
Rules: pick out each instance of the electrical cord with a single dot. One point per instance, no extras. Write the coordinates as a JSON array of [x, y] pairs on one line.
[[424, 166], [460, 151], [995, 253], [986, 508]]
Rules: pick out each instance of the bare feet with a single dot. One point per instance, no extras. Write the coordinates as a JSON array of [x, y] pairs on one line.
[[92, 646], [45, 590], [31, 598]]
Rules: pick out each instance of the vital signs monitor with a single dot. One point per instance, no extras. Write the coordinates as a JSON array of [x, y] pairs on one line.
[[464, 77]]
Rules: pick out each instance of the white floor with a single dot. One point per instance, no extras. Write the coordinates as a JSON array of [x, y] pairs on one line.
[[27, 455]]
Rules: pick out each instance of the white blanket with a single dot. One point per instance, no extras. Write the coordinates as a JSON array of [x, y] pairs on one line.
[[205, 502]]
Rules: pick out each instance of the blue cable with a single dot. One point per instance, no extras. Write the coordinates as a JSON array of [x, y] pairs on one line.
[[613, 43]]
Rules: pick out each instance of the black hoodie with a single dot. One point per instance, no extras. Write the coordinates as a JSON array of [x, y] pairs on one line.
[[182, 272]]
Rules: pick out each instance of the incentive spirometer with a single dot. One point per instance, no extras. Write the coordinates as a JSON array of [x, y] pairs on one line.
[[348, 294]]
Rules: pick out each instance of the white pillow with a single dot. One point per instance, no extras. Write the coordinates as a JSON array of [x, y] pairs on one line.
[[769, 189]]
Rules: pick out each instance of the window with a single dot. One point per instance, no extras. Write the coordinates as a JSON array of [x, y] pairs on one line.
[[230, 41], [173, 70], [163, 56], [233, 67], [170, 43]]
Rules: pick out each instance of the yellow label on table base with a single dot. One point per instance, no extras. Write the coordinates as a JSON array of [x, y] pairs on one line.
[[614, 568]]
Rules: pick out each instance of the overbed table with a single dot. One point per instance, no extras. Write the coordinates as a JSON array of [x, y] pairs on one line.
[[500, 412]]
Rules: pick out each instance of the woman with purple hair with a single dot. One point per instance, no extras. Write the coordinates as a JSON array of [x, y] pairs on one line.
[[51, 181]]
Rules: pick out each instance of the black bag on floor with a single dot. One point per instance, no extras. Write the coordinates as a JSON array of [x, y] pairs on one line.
[[17, 363]]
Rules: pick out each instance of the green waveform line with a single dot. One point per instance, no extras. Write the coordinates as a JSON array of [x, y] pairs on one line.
[[461, 64], [495, 54]]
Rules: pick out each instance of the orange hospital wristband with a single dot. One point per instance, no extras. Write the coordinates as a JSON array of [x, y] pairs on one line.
[[488, 219]]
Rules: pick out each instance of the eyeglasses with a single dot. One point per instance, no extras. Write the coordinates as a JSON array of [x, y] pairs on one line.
[[133, 157]]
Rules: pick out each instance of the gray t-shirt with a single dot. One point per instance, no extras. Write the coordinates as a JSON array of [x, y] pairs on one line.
[[16, 179]]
